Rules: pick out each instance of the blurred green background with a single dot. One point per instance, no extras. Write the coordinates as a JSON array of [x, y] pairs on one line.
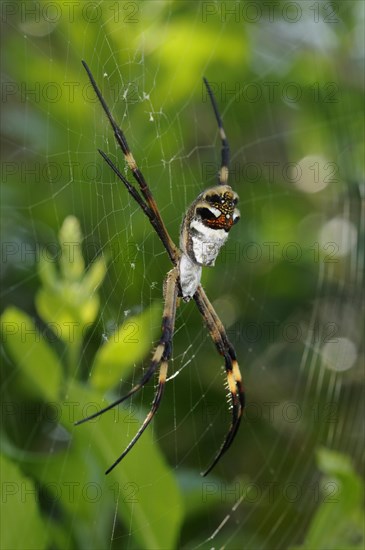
[[82, 274]]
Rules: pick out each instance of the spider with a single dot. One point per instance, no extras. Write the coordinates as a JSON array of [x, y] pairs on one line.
[[204, 230]]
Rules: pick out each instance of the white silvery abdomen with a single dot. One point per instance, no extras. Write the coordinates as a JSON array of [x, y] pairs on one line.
[[206, 242], [204, 248], [190, 275], [204, 231]]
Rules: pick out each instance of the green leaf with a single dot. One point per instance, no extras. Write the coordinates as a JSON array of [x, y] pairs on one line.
[[48, 273], [24, 527], [143, 494], [338, 522], [136, 482], [94, 275], [334, 463], [67, 312], [125, 348], [71, 261], [68, 302], [31, 353]]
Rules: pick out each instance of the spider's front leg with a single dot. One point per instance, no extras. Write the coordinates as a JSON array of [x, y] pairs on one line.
[[204, 231], [234, 378], [160, 357]]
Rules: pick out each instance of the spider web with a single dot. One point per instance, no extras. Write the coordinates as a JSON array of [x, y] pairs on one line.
[[294, 322]]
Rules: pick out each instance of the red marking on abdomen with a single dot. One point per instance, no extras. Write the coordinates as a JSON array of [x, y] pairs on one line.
[[220, 223]]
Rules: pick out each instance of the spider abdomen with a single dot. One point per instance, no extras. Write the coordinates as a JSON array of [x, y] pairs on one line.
[[190, 275], [204, 231], [206, 241]]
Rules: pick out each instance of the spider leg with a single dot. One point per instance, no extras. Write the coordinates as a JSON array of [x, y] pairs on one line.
[[155, 404], [163, 351], [234, 378], [131, 190], [152, 368], [137, 197], [223, 172], [137, 174]]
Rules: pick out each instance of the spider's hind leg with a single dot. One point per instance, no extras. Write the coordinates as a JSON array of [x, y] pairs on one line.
[[223, 171]]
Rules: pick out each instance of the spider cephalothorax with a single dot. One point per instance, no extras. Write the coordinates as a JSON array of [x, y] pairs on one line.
[[204, 230], [217, 207]]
